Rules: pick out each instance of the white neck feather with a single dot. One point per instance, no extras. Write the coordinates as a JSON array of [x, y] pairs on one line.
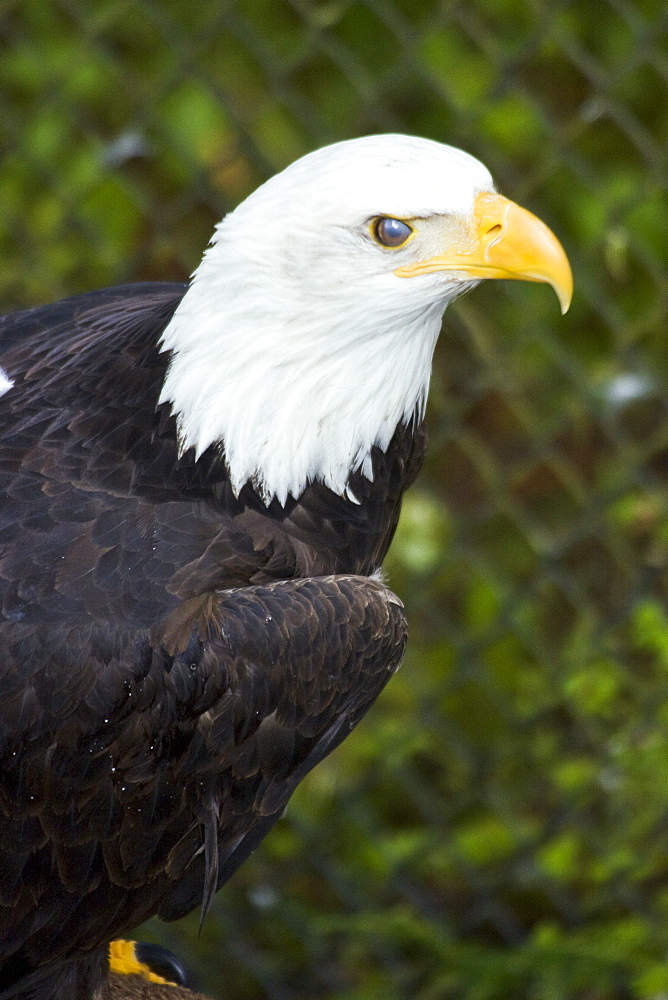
[[290, 410]]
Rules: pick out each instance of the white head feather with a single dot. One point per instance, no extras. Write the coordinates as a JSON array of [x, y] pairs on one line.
[[296, 347]]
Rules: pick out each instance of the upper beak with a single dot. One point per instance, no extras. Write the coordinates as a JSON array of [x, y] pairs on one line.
[[504, 241]]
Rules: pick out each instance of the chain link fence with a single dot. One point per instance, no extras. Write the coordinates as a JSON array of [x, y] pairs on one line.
[[498, 826]]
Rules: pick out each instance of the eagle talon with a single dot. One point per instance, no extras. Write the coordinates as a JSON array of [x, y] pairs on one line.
[[150, 961]]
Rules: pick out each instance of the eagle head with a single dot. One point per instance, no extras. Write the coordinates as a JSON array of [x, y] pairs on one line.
[[306, 336]]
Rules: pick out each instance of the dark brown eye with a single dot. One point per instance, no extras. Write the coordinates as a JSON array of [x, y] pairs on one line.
[[390, 232]]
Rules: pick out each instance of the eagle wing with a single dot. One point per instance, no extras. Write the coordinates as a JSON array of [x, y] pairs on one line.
[[134, 781]]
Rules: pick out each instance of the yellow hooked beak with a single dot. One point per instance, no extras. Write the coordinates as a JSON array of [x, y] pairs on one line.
[[505, 241]]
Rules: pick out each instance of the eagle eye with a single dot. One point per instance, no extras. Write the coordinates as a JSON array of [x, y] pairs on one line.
[[390, 232]]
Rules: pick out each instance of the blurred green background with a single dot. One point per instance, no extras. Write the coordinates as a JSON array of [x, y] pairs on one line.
[[498, 825]]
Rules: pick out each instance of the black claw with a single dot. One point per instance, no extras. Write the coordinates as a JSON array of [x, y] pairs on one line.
[[162, 962]]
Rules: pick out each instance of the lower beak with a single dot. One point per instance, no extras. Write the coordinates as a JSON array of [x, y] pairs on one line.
[[504, 241]]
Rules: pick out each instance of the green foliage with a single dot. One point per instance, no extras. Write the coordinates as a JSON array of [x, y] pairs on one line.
[[497, 826]]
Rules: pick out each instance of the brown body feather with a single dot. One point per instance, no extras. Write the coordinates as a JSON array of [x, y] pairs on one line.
[[174, 658]]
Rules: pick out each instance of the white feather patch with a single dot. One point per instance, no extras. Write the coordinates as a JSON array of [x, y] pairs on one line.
[[6, 383]]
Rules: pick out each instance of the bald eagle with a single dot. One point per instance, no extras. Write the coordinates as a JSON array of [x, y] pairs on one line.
[[199, 485]]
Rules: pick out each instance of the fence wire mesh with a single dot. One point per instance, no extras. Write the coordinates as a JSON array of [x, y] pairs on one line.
[[498, 826]]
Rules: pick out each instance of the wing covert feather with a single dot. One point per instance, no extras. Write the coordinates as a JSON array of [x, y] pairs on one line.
[[111, 802]]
